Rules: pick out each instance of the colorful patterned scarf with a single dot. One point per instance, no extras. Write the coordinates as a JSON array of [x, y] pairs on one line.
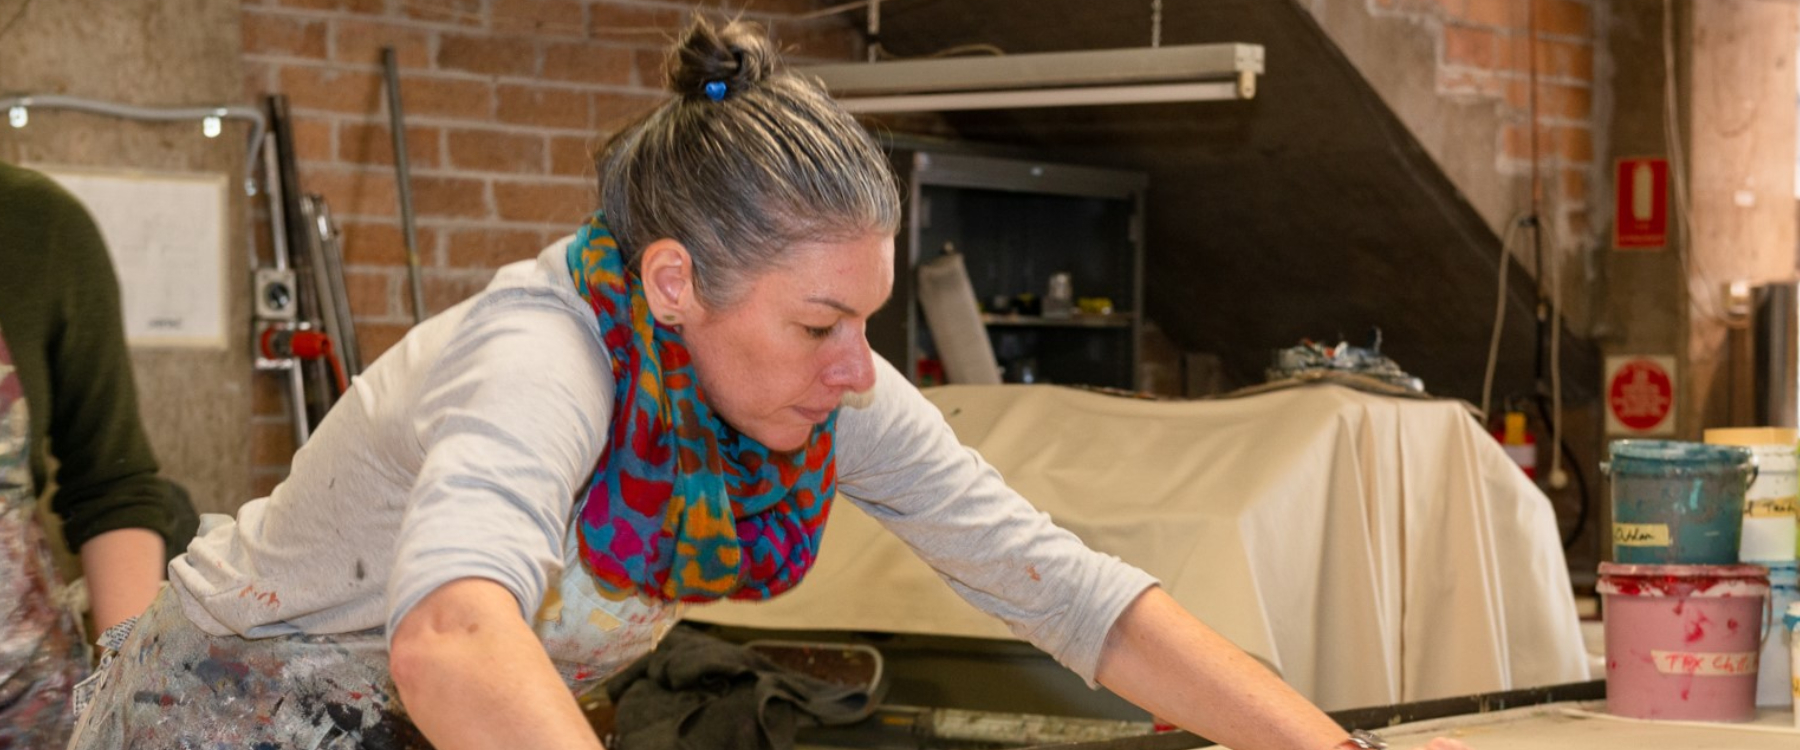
[[682, 506]]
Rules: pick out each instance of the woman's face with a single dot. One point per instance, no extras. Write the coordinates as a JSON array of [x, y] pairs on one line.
[[780, 359]]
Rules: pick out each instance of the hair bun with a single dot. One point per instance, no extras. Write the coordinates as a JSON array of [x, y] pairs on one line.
[[739, 54]]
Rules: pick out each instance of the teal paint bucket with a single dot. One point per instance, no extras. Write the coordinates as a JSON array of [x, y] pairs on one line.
[[1678, 503]]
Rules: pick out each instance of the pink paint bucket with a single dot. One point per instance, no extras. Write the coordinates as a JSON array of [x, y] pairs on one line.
[[1683, 641]]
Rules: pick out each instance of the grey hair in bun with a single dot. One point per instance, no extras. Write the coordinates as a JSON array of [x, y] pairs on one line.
[[740, 178]]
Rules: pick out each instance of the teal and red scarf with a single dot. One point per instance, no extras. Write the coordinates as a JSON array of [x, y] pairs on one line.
[[682, 506]]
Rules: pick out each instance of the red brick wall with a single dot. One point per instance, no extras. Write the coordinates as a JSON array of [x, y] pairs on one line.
[[1486, 52], [504, 101]]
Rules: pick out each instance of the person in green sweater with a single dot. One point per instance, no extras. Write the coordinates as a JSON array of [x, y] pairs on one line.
[[66, 391]]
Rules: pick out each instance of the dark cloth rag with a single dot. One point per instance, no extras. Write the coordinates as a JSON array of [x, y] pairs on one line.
[[696, 692]]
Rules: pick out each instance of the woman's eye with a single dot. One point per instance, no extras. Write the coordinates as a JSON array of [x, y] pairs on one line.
[[818, 333]]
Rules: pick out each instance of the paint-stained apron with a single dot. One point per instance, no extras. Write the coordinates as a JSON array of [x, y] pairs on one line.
[[42, 651], [164, 683]]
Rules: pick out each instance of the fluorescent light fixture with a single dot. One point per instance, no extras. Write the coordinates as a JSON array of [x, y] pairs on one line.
[[1198, 72]]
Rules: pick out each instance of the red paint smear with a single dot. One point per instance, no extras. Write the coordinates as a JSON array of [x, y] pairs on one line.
[[1032, 570], [1696, 629], [1731, 625]]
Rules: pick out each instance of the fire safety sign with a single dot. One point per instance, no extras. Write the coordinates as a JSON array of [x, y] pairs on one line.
[[1640, 395], [1641, 204]]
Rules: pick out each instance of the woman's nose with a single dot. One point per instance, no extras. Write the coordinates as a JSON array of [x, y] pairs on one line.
[[854, 369]]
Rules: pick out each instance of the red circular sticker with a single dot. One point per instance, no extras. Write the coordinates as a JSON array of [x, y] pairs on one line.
[[1640, 395]]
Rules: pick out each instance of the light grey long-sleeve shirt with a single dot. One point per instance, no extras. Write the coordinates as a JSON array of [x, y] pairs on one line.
[[462, 450]]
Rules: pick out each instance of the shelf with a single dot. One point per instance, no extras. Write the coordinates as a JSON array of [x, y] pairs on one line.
[[1109, 320]]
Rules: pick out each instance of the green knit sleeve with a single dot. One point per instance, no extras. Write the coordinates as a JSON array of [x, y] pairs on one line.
[[106, 473]]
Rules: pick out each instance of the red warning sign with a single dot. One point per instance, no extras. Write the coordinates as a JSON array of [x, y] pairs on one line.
[[1641, 204], [1640, 394]]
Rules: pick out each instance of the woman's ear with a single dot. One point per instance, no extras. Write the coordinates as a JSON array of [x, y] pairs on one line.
[[668, 273]]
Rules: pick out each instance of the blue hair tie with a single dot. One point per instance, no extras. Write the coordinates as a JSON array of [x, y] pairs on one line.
[[715, 90]]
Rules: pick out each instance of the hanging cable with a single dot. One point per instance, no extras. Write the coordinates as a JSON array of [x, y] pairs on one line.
[[1155, 23], [1493, 358]]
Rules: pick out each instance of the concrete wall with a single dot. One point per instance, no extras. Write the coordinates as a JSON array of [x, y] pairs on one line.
[[195, 404]]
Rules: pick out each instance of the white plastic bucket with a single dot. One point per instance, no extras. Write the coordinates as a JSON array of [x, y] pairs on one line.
[[1769, 514]]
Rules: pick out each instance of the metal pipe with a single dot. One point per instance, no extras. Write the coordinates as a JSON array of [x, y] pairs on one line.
[[258, 123], [335, 310], [390, 67], [277, 211], [275, 196]]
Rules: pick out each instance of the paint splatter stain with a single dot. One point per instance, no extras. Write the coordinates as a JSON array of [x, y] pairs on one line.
[[1731, 625], [223, 674], [1031, 570]]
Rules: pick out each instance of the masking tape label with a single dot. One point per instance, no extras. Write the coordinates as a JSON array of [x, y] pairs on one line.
[[1774, 507], [1640, 535], [1705, 664]]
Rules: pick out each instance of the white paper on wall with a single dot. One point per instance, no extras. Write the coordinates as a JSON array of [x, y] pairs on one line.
[[166, 235]]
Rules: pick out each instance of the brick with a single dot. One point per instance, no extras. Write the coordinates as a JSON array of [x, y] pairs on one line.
[[1572, 102], [268, 34], [573, 156], [491, 151], [1563, 18], [378, 243], [491, 248], [1575, 144], [588, 62], [373, 293], [634, 24], [331, 90], [375, 338], [1578, 224], [448, 97], [487, 55], [1464, 81], [312, 139], [1565, 60], [259, 79], [355, 192], [359, 41], [271, 442], [1574, 185], [360, 7], [1506, 14], [451, 197], [460, 12], [1516, 141], [372, 145], [268, 395], [542, 107], [652, 69], [540, 17], [613, 111], [547, 203], [1464, 45], [443, 291]]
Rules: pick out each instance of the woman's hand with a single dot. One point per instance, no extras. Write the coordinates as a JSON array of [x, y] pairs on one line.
[[472, 674]]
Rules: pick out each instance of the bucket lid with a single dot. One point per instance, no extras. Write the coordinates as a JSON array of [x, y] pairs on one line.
[[1683, 580], [1792, 619], [1751, 436], [1676, 451]]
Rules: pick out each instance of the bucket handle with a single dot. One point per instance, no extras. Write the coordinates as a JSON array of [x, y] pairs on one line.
[[1770, 620]]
